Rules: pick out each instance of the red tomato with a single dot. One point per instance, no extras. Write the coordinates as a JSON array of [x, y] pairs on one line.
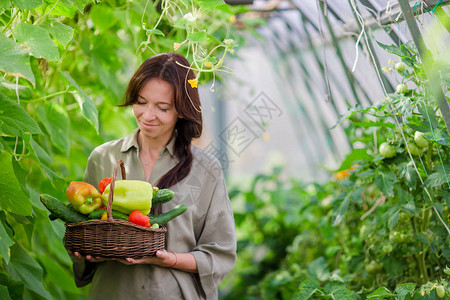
[[139, 218], [103, 184]]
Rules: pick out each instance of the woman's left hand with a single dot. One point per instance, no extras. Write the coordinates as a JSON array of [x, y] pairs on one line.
[[163, 258]]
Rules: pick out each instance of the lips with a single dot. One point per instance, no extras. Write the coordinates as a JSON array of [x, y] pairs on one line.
[[149, 125]]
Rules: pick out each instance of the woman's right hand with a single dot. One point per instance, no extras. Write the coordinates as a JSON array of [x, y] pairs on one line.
[[90, 258]]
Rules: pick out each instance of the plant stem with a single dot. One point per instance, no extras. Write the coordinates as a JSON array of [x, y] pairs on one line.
[[16, 12], [49, 96]]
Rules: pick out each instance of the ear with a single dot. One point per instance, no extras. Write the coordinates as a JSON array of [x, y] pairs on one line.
[[180, 116]]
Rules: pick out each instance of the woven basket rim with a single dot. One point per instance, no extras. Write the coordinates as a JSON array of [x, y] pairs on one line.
[[116, 222]]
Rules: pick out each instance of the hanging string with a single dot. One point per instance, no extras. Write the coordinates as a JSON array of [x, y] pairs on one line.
[[325, 65], [361, 20], [17, 158]]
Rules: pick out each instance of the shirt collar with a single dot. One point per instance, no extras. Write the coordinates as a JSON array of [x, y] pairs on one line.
[[131, 141]]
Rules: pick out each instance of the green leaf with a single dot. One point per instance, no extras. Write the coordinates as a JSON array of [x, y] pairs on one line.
[[15, 287], [42, 157], [5, 4], [403, 195], [198, 37], [439, 177], [438, 206], [306, 289], [103, 17], [340, 292], [353, 110], [154, 31], [180, 23], [352, 157], [429, 115], [210, 5], [405, 289], [225, 8], [15, 60], [24, 268], [88, 109], [385, 182], [8, 89], [37, 40], [4, 293], [339, 214], [60, 32], [81, 4], [21, 175], [380, 293], [356, 195], [14, 120], [57, 274], [422, 238], [61, 8], [6, 241], [367, 124], [402, 105], [56, 121], [409, 174], [27, 4], [400, 51], [12, 198], [393, 219], [410, 208], [318, 269]]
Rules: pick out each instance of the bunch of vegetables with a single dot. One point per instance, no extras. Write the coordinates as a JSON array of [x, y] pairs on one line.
[[132, 202]]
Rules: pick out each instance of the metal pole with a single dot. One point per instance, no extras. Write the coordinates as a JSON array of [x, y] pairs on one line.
[[434, 82]]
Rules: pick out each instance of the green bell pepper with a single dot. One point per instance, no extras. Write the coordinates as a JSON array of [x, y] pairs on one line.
[[130, 195]]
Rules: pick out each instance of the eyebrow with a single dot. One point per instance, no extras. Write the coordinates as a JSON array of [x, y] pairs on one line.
[[160, 102]]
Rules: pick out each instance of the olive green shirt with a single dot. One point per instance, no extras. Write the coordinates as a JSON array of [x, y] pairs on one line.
[[206, 229]]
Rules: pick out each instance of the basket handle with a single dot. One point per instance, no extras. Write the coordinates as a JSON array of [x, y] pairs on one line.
[[111, 192]]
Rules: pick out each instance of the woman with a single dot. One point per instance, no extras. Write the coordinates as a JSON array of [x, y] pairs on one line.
[[201, 243]]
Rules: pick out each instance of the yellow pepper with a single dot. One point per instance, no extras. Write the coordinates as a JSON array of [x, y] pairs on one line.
[[130, 195]]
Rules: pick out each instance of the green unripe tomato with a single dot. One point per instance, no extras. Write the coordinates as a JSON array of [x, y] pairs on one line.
[[416, 151], [387, 150], [402, 88], [373, 267], [420, 140], [440, 291], [400, 67], [387, 248]]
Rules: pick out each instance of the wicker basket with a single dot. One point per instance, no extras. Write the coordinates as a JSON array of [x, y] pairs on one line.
[[113, 238]]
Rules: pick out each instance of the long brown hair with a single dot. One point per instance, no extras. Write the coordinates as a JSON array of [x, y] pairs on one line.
[[174, 69]]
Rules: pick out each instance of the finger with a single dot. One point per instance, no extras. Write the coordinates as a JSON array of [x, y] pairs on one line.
[[162, 254]]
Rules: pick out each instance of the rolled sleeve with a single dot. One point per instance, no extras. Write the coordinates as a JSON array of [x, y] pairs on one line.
[[215, 253], [83, 271]]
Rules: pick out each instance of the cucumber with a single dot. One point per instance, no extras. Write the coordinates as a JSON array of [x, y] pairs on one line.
[[61, 211], [166, 217], [97, 214], [162, 196]]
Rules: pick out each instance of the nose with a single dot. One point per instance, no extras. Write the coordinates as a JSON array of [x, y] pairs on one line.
[[149, 113]]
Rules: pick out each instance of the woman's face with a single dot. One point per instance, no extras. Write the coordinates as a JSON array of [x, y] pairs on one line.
[[155, 111]]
